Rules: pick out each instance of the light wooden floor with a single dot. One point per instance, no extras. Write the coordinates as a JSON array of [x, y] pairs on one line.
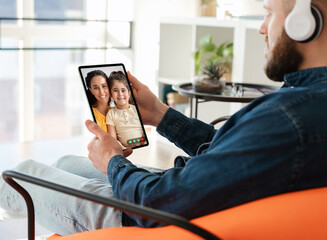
[[160, 153]]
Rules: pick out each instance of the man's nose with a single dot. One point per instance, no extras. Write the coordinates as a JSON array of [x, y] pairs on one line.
[[262, 29]]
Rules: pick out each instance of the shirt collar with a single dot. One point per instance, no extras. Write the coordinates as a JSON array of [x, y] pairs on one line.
[[306, 77]]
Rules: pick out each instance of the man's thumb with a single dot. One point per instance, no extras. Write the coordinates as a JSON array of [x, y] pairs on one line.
[[95, 129]]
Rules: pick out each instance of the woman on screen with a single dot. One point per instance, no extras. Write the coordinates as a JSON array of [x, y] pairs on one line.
[[122, 120], [99, 96]]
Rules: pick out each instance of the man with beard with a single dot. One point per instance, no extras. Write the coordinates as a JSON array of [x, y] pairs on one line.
[[274, 145]]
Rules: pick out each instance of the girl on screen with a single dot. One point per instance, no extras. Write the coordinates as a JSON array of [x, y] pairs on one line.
[[99, 96], [122, 120]]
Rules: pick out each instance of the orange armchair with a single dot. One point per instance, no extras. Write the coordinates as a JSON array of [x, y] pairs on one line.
[[296, 215]]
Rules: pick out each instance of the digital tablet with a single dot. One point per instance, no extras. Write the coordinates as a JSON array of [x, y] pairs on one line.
[[112, 103]]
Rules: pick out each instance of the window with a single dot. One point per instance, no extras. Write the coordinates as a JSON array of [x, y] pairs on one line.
[[60, 105], [59, 9], [8, 94], [40, 89], [8, 8]]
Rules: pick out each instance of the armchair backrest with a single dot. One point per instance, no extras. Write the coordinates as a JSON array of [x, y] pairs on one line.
[[298, 215]]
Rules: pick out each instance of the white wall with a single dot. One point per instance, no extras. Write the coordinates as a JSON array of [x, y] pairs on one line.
[[243, 7], [147, 16], [146, 34]]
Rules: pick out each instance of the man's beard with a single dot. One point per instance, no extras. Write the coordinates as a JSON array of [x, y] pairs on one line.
[[285, 58]]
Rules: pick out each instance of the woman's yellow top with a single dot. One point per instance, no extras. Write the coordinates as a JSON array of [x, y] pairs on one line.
[[100, 118]]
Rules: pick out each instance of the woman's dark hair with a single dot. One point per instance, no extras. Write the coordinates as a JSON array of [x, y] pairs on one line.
[[119, 76], [88, 80]]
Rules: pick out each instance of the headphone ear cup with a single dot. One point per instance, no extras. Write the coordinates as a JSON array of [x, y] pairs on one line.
[[319, 24], [304, 26]]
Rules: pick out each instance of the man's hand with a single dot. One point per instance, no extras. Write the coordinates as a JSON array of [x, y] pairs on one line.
[[103, 147], [151, 108]]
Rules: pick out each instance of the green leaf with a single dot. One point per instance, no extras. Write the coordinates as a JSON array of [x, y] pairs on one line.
[[220, 50], [197, 56], [226, 52], [214, 59], [210, 47], [206, 39], [230, 45], [229, 50], [206, 2], [197, 69]]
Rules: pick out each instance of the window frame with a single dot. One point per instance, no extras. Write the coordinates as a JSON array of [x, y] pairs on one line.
[[27, 32]]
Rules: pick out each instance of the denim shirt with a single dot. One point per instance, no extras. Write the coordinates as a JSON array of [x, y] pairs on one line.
[[276, 144]]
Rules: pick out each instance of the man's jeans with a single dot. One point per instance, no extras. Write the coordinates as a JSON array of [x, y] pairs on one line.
[[58, 212]]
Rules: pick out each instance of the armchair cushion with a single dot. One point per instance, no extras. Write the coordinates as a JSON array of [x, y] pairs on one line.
[[296, 215]]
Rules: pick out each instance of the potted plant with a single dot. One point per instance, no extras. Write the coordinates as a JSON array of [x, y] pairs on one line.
[[212, 59], [210, 81], [209, 8], [208, 51]]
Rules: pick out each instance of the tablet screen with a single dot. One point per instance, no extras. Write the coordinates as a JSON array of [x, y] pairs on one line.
[[112, 103]]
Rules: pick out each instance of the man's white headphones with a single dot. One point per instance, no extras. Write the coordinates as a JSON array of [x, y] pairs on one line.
[[304, 23]]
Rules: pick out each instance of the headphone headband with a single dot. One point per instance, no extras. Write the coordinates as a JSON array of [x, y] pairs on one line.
[[302, 5]]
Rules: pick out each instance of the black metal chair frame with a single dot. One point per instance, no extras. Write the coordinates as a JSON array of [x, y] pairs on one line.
[[220, 119], [145, 212]]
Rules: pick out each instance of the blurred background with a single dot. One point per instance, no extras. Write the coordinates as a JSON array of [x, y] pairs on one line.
[[41, 96], [43, 106]]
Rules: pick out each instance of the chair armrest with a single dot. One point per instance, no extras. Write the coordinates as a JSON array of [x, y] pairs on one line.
[[146, 212]]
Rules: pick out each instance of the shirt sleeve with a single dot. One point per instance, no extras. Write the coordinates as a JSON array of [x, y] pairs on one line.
[[234, 169], [186, 133], [109, 117]]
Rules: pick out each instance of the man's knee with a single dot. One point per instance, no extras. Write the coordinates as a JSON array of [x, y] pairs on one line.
[[67, 162], [25, 165], [64, 162]]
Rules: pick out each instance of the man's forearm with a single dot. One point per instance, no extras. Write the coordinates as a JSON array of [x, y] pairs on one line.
[[186, 133]]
